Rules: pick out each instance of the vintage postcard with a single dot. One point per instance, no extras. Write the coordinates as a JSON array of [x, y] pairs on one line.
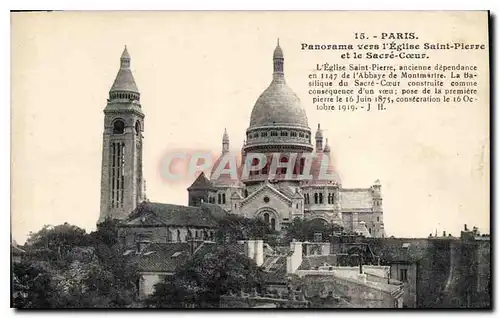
[[315, 159]]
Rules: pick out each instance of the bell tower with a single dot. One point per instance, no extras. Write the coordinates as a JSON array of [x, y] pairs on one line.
[[121, 173]]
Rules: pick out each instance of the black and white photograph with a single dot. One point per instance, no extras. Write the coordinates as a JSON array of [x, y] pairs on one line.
[[258, 160]]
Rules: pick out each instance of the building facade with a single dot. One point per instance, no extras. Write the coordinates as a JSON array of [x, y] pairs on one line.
[[278, 124]]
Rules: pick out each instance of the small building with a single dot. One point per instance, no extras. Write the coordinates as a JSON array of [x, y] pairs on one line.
[[162, 223]]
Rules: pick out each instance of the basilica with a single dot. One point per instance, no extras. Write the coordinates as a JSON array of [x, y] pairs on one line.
[[278, 124]]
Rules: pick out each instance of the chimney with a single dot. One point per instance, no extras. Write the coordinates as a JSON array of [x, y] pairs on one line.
[[293, 261], [465, 227], [250, 249], [444, 233], [259, 252]]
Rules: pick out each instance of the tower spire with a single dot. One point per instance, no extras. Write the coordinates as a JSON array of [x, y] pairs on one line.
[[327, 147], [319, 139], [125, 59], [225, 142], [278, 64], [124, 81]]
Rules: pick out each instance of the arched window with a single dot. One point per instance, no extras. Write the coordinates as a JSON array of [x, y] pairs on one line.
[[223, 198], [273, 224], [302, 164], [255, 162], [316, 198], [283, 160], [266, 218], [118, 127], [137, 128], [178, 235], [265, 170], [321, 198]]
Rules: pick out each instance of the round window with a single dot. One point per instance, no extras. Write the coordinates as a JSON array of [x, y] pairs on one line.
[[266, 199]]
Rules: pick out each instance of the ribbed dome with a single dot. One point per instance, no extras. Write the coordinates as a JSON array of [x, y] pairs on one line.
[[278, 105]]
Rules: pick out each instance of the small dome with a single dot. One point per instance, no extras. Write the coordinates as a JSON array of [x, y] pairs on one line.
[[278, 52]]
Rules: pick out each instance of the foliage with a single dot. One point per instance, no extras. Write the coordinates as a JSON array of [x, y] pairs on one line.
[[304, 230], [57, 241], [81, 270], [31, 286], [234, 227], [201, 282]]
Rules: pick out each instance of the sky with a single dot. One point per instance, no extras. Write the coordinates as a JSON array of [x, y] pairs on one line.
[[199, 73]]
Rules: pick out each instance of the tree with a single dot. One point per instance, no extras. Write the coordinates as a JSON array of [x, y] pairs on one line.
[[80, 270], [303, 230], [31, 286], [57, 240], [201, 282], [234, 227]]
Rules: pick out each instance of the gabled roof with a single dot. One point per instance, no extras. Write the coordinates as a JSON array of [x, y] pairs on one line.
[[263, 188], [170, 215], [201, 183]]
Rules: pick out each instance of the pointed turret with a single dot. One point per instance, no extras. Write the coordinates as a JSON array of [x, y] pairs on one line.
[[124, 81], [225, 141], [319, 139], [278, 64], [327, 147]]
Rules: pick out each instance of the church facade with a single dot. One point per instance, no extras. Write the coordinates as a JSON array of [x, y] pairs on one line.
[[278, 124]]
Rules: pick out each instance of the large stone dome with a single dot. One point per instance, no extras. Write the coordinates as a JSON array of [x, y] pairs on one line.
[[278, 105], [278, 122]]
